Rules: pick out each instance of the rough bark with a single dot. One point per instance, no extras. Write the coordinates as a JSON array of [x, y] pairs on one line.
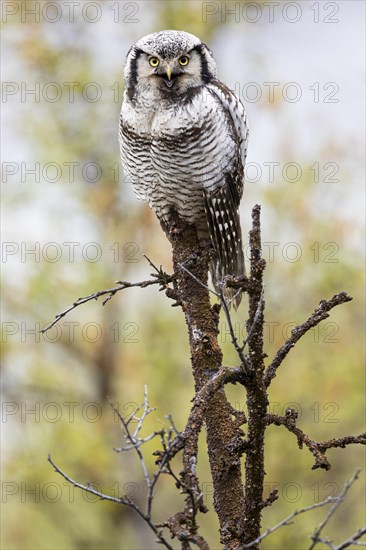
[[221, 432], [257, 399]]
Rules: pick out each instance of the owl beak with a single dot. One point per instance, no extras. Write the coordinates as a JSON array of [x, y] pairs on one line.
[[167, 77]]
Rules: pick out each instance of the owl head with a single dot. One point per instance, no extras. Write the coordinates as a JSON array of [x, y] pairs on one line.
[[169, 63]]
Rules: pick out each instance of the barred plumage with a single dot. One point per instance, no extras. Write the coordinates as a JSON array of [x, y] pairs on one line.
[[183, 138]]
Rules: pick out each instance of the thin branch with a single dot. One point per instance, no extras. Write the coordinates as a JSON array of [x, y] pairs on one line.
[[318, 449], [136, 444], [159, 270], [273, 496], [199, 282], [139, 442], [89, 488], [320, 313], [316, 536], [288, 520], [353, 539], [118, 500], [328, 543], [239, 349], [162, 279], [170, 418]]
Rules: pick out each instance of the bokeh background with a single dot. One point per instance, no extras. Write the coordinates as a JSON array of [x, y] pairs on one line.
[[71, 227]]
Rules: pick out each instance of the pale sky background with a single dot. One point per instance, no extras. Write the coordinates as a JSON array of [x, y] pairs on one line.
[[304, 52]]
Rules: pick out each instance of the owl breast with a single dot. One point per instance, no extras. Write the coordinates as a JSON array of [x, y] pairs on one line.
[[171, 153]]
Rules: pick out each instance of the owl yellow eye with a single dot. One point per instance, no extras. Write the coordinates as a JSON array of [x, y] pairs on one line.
[[154, 61], [184, 60]]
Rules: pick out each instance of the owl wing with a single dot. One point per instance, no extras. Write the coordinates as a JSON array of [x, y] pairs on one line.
[[222, 204], [238, 121]]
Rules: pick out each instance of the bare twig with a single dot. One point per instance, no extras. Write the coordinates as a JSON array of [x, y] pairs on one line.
[[353, 540], [316, 536], [234, 340], [187, 482], [135, 443], [336, 501], [199, 282], [273, 496], [317, 316], [159, 270], [89, 488], [288, 520], [139, 442], [318, 449], [118, 500], [162, 279]]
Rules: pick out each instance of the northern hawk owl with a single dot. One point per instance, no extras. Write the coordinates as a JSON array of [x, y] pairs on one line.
[[183, 139]]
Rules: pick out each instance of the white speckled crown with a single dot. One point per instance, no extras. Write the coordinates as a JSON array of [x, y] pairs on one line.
[[168, 43]]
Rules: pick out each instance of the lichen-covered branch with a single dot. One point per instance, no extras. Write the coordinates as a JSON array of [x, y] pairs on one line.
[[318, 449], [256, 395], [223, 434], [319, 315]]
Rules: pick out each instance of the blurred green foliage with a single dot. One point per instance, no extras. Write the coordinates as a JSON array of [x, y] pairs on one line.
[[55, 387]]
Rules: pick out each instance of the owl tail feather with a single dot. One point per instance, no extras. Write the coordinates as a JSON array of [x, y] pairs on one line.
[[224, 226]]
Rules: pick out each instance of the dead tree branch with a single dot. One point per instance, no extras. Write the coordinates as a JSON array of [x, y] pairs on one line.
[[336, 501], [118, 500], [256, 395], [289, 520], [223, 435], [316, 536], [318, 449], [352, 540], [319, 315], [170, 446], [238, 506], [160, 278]]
